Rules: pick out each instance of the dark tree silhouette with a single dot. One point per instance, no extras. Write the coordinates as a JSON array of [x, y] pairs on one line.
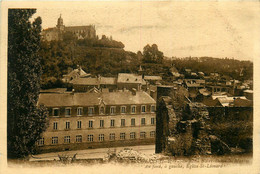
[[25, 120]]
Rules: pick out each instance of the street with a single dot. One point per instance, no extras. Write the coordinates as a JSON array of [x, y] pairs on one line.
[[92, 153]]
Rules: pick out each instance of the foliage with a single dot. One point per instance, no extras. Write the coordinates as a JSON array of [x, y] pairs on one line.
[[230, 68], [151, 54], [25, 120]]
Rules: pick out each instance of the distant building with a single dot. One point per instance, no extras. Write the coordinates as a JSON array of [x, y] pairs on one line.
[[153, 79], [57, 32], [91, 120], [74, 74], [130, 81]]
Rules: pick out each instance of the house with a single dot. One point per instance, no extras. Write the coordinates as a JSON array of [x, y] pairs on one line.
[[85, 84], [92, 120], [74, 74], [129, 81], [153, 79], [108, 83], [194, 83]]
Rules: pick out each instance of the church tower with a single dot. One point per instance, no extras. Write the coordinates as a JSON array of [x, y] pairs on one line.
[[60, 25]]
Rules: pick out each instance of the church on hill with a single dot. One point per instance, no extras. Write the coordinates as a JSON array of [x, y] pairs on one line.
[[56, 33]]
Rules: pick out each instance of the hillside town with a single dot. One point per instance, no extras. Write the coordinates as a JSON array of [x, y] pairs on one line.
[[96, 111], [93, 100]]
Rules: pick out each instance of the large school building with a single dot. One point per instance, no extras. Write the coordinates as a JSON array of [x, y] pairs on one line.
[[96, 119]]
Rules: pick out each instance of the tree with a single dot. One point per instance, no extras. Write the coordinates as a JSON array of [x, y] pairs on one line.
[[151, 54], [25, 121]]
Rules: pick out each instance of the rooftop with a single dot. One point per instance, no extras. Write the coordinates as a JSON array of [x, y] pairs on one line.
[[129, 78], [152, 78], [85, 81], [108, 80], [91, 99]]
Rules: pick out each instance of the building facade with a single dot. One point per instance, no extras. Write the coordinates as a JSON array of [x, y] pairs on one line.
[[56, 33], [92, 120]]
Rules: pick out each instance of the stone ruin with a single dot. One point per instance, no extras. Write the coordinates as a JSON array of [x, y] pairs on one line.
[[182, 128]]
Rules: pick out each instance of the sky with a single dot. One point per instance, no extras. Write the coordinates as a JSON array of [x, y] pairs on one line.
[[180, 29]]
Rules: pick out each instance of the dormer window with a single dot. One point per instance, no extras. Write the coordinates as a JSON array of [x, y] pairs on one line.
[[102, 110], [79, 111], [133, 109], [67, 111], [123, 109], [56, 112], [143, 108], [152, 108]]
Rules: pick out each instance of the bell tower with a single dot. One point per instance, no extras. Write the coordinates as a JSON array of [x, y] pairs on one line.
[[60, 25]]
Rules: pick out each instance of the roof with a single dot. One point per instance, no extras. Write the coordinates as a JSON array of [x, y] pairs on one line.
[[249, 91], [152, 78], [91, 99], [72, 28], [129, 78], [85, 81], [205, 92], [108, 80], [243, 102], [227, 101], [211, 102], [53, 90]]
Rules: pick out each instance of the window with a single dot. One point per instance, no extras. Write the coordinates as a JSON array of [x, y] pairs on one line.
[[132, 122], [112, 109], [152, 134], [133, 109], [152, 108], [112, 136], [78, 138], [101, 110], [143, 108], [112, 123], [79, 111], [90, 111], [152, 121], [142, 134], [142, 121], [55, 112], [67, 125], [123, 109], [67, 139], [67, 111], [55, 125], [90, 138], [79, 124], [54, 140], [41, 142], [132, 135], [122, 122], [122, 136], [101, 123], [90, 124], [101, 137]]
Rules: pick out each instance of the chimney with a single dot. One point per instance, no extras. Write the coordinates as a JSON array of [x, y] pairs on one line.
[[72, 91], [133, 91]]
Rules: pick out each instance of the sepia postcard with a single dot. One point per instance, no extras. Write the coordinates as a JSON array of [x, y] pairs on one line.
[[129, 87]]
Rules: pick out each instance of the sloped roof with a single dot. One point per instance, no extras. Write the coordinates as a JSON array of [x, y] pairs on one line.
[[243, 102], [129, 78], [205, 92], [85, 81], [90, 99], [108, 80], [53, 90], [152, 78], [73, 28]]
